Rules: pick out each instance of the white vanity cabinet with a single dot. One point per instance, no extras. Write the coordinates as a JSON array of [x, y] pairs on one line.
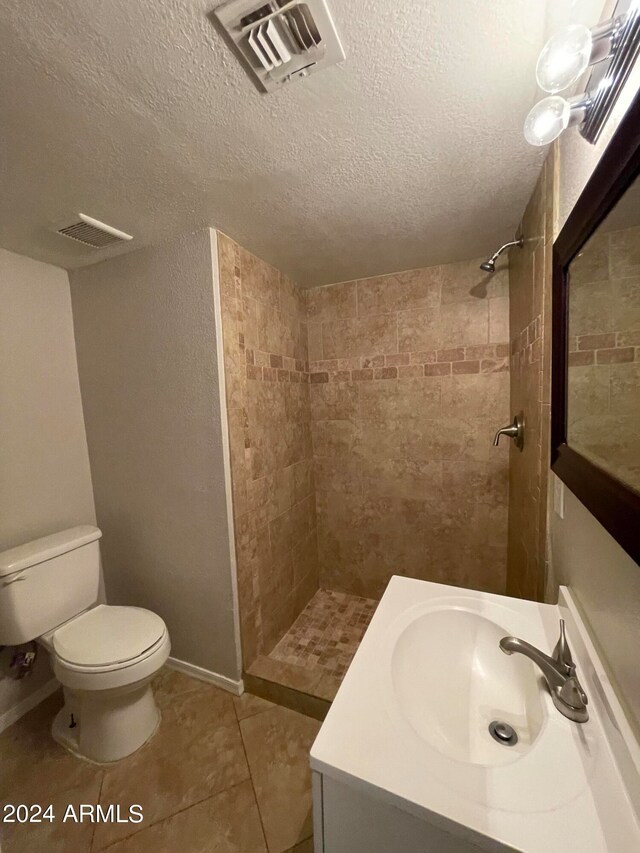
[[346, 820]]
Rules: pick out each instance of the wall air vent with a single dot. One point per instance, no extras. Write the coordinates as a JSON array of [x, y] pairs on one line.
[[283, 40], [93, 233]]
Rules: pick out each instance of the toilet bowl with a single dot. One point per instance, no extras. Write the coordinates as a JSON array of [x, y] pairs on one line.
[[105, 660], [104, 656]]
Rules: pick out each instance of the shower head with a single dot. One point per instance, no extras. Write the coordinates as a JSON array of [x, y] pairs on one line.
[[490, 265]]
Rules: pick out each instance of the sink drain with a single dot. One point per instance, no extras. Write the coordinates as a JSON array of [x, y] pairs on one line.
[[503, 733]]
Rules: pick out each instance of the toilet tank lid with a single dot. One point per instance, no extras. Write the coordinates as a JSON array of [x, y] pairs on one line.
[[46, 548]]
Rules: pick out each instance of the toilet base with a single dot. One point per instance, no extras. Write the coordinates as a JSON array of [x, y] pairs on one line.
[[103, 726]]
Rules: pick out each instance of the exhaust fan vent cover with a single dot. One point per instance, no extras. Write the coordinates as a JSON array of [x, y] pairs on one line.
[[282, 40], [93, 233]]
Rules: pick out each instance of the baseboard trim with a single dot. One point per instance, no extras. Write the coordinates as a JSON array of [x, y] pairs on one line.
[[235, 687], [28, 703]]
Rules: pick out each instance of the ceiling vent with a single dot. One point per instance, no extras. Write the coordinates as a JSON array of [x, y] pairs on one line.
[[282, 40], [93, 233]]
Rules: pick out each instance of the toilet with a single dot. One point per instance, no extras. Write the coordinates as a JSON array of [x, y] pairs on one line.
[[104, 656]]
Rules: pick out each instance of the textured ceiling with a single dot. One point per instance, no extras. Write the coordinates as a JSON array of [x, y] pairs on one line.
[[139, 114]]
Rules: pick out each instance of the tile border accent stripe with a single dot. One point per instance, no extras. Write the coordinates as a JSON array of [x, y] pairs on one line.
[[482, 358]]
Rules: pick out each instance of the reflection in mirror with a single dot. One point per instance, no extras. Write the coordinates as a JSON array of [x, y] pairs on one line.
[[603, 417]]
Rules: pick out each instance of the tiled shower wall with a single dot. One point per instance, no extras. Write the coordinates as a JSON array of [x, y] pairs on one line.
[[530, 323], [409, 381], [376, 401], [265, 349]]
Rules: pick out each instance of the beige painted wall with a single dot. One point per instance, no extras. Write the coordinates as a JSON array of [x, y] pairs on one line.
[[146, 343], [45, 481], [604, 579]]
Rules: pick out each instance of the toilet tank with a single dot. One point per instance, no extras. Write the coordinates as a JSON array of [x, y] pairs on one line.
[[46, 582]]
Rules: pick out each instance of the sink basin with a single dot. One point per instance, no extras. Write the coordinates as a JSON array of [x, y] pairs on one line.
[[445, 680], [451, 681]]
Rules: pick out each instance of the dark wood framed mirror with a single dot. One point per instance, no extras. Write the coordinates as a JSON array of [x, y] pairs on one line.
[[595, 406]]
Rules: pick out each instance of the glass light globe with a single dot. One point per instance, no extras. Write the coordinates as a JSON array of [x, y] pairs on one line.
[[547, 120], [564, 58]]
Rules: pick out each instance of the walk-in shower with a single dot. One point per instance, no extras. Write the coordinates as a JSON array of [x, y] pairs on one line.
[[345, 467]]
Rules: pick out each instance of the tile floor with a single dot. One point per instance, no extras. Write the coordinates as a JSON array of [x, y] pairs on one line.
[[222, 774], [327, 633]]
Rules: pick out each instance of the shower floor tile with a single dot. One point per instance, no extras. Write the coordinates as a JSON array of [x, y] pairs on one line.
[[327, 633]]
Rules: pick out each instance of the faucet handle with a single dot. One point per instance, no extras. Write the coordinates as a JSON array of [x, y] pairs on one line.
[[562, 652], [572, 693]]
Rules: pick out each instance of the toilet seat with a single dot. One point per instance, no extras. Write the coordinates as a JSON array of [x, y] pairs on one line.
[[106, 638], [109, 647]]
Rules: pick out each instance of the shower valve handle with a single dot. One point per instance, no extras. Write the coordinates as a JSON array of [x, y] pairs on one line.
[[514, 431]]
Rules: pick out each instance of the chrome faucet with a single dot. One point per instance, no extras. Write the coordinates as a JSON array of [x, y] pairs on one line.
[[559, 672]]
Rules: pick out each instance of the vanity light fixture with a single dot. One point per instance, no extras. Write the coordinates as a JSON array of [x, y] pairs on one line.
[[552, 115], [611, 48], [568, 54]]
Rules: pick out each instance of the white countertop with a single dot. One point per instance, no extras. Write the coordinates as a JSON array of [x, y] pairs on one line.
[[565, 792]]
